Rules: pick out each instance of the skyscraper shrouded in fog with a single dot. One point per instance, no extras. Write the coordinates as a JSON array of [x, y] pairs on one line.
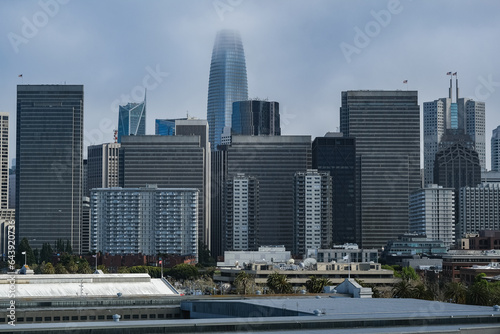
[[227, 83], [49, 143], [386, 126], [132, 120]]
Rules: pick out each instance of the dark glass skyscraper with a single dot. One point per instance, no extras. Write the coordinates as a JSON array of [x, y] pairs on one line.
[[49, 143], [337, 155], [227, 82], [132, 120], [256, 118], [386, 126]]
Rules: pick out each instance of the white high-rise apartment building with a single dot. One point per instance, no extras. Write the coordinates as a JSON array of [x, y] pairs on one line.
[[147, 220], [432, 212], [242, 213], [480, 208], [312, 211], [495, 150]]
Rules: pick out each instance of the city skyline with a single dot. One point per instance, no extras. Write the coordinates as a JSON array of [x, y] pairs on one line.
[[305, 66]]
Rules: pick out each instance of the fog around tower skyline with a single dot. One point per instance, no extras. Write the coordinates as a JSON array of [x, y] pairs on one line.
[[300, 53]]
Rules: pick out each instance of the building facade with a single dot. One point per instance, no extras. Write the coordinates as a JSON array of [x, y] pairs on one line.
[[167, 161], [337, 156], [465, 115], [312, 210], [273, 161], [132, 120], [227, 82], [479, 208], [495, 150], [457, 165], [386, 125], [165, 127], [256, 118], [432, 212], [49, 144], [241, 213], [146, 220], [102, 166]]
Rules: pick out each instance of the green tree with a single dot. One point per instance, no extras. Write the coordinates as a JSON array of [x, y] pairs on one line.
[[244, 282], [68, 249], [71, 267], [409, 274], [278, 283], [184, 271], [48, 269], [103, 268], [60, 269], [478, 293], [402, 289], [84, 267], [24, 246], [316, 285], [420, 291], [59, 246], [205, 259], [46, 253], [455, 292]]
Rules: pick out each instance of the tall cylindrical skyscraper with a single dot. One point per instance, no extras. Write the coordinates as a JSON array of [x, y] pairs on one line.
[[227, 82]]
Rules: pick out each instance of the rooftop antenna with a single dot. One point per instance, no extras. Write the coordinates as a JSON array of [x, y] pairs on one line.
[[450, 91], [455, 74], [187, 114]]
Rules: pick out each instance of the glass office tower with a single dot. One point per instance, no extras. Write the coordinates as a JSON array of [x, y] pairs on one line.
[[227, 82], [132, 120]]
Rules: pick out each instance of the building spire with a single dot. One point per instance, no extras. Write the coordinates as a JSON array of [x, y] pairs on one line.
[[455, 74]]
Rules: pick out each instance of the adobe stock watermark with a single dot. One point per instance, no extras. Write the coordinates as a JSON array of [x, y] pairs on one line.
[[11, 260], [486, 87], [31, 26], [363, 37], [223, 6], [152, 80]]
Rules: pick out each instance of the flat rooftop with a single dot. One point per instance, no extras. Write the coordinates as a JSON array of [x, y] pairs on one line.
[[91, 285]]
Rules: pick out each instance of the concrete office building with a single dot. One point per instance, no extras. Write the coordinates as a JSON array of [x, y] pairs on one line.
[[102, 166], [49, 164], [312, 221], [227, 82], [146, 220], [256, 118], [85, 233], [337, 156], [7, 214], [386, 126], [479, 208], [442, 115], [132, 120], [241, 213], [495, 150], [432, 212], [273, 162], [199, 127], [169, 162]]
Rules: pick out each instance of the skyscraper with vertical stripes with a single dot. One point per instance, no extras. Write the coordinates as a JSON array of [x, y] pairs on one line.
[[227, 82], [49, 144]]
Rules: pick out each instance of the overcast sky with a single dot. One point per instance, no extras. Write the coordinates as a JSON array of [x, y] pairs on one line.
[[301, 53]]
